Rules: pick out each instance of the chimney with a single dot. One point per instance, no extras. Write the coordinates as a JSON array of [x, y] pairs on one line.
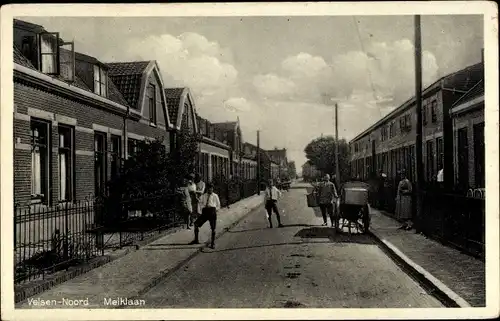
[[482, 55]]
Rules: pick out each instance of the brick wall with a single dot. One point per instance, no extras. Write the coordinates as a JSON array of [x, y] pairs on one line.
[[85, 119]]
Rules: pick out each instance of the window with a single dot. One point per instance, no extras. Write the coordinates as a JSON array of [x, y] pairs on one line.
[[439, 153], [100, 163], [434, 111], [384, 133], [424, 114], [27, 48], [152, 103], [67, 61], [479, 160], [392, 132], [463, 159], [405, 123], [132, 147], [430, 161], [116, 152], [40, 147], [100, 81], [49, 53], [66, 163]]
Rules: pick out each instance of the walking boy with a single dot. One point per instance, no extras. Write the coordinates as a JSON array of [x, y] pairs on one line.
[[272, 195], [211, 203]]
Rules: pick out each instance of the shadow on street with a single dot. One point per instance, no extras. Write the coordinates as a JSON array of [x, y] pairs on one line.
[[260, 246], [266, 228], [339, 237]]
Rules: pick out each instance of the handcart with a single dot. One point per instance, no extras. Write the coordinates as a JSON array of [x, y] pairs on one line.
[[354, 208]]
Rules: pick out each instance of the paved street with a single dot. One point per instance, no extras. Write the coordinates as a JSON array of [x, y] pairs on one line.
[[300, 265]]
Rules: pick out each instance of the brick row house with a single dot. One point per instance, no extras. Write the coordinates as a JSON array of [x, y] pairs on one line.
[[389, 144], [75, 116]]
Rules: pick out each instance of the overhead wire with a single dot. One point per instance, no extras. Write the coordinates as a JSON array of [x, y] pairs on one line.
[[367, 66]]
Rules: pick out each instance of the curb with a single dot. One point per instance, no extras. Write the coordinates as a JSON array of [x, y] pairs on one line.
[[29, 290], [435, 287], [165, 274]]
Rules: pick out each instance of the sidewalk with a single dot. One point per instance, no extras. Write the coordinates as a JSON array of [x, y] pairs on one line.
[[137, 272], [461, 278]]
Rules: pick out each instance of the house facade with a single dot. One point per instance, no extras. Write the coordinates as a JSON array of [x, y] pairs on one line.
[[279, 158], [72, 122], [389, 144], [467, 116]]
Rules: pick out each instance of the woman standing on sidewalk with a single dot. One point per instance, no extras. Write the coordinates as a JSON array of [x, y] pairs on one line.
[[403, 201], [186, 203], [193, 196]]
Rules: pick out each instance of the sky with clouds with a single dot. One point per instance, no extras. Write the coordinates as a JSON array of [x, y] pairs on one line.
[[281, 75]]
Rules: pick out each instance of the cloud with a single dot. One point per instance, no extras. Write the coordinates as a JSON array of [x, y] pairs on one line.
[[274, 86], [189, 60], [385, 71], [238, 104], [303, 65]]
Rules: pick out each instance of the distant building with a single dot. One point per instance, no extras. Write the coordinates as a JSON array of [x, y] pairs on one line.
[[279, 157]]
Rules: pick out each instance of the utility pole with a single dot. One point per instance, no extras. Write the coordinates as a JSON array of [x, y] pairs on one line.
[[337, 170], [418, 138], [258, 163]]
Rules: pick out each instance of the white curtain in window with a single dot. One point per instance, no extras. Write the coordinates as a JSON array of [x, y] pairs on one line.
[[48, 61], [36, 177], [97, 80], [62, 176], [102, 78]]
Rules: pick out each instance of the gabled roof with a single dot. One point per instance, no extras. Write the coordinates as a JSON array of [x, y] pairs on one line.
[[174, 97], [474, 92], [20, 59], [127, 77]]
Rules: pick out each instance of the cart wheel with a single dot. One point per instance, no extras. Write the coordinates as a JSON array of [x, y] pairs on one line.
[[366, 220]]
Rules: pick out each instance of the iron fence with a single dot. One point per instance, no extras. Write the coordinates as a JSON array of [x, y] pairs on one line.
[[454, 219], [50, 238], [232, 191]]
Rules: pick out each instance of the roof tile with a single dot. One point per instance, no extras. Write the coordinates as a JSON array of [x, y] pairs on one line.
[[173, 96], [127, 77]]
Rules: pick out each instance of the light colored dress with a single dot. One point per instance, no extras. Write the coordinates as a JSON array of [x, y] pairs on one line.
[[403, 200]]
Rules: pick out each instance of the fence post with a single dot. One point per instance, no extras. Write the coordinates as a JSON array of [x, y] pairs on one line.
[[66, 231]]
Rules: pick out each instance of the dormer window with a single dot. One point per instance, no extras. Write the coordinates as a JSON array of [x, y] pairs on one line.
[[49, 53], [152, 103], [100, 81]]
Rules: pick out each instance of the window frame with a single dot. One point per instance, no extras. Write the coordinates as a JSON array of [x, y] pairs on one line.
[[151, 93], [424, 114], [434, 111], [116, 155], [104, 163], [56, 54], [70, 165], [479, 152], [70, 62], [100, 78], [45, 165]]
